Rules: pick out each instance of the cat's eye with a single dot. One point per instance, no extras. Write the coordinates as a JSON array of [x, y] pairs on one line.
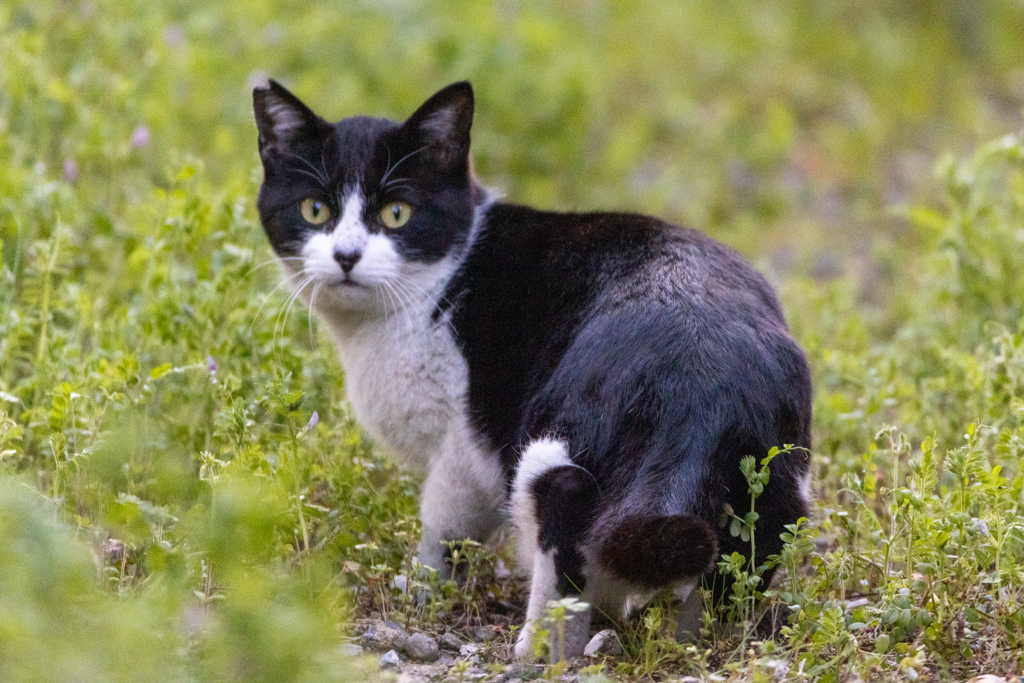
[[395, 214], [314, 211]]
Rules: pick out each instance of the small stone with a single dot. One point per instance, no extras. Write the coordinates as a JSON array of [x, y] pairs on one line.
[[450, 641], [470, 652], [483, 634], [396, 626], [603, 643], [421, 648], [524, 671], [389, 661], [401, 582], [350, 650], [472, 676], [381, 637]]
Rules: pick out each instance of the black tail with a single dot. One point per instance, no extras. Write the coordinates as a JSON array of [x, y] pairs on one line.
[[657, 551]]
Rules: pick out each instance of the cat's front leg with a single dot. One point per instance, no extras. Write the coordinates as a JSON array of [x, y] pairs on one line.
[[461, 498]]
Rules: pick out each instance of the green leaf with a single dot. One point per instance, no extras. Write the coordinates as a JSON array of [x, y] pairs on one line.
[[159, 371]]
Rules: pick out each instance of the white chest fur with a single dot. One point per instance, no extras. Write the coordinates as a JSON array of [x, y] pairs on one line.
[[406, 381], [404, 375]]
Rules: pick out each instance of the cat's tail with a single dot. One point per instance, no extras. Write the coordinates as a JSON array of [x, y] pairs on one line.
[[655, 551]]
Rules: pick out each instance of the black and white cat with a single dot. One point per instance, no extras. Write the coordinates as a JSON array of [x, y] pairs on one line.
[[595, 377]]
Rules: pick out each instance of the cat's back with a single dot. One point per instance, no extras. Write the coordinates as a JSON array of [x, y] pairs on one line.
[[548, 306], [553, 262]]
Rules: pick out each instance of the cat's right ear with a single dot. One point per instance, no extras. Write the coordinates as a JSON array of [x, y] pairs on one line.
[[282, 120]]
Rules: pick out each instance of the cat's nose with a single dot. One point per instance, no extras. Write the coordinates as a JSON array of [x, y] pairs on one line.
[[347, 259]]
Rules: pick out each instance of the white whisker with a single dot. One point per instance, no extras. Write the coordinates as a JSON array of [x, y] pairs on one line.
[[412, 306], [270, 294], [398, 183], [392, 169], [387, 291], [383, 305], [268, 262], [282, 317], [404, 304], [317, 174], [312, 303], [430, 297], [323, 161], [314, 176]]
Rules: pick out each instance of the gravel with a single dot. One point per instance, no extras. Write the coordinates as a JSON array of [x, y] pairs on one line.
[[422, 648], [384, 636], [390, 661]]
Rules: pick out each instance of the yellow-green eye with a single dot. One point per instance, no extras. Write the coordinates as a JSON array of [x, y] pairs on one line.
[[314, 211], [395, 214]]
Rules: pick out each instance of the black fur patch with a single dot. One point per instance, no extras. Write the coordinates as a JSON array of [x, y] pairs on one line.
[[658, 551], [565, 499], [659, 355]]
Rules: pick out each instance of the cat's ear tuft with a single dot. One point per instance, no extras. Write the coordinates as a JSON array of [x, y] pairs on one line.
[[443, 123], [281, 118]]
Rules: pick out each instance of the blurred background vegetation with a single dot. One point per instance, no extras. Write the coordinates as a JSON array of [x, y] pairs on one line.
[[183, 494]]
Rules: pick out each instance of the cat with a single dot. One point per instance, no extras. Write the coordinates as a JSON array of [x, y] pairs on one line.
[[595, 377]]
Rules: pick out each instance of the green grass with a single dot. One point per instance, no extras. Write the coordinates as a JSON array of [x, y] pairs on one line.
[[170, 511]]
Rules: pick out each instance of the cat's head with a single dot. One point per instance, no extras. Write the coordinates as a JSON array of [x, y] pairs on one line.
[[373, 210]]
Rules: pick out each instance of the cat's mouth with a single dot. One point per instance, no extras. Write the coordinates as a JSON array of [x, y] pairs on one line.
[[347, 282]]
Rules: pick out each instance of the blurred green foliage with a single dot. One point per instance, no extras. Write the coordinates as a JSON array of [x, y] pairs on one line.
[[169, 507]]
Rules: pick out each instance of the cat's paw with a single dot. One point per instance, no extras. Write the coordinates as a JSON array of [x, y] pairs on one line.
[[524, 644]]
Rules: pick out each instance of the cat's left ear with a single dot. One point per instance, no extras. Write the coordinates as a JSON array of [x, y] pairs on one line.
[[443, 124]]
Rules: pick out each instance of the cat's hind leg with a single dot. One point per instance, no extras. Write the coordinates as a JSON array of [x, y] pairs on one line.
[[553, 502]]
